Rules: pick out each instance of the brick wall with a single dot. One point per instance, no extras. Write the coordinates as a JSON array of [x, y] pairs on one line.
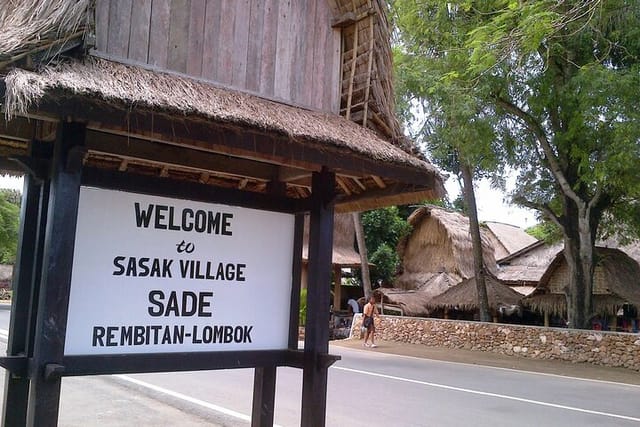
[[614, 349]]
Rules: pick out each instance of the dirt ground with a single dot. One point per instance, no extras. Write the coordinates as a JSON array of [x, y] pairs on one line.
[[556, 367]]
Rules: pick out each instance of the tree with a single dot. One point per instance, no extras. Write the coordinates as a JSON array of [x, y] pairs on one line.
[[383, 229], [364, 255], [558, 83], [9, 225], [457, 128]]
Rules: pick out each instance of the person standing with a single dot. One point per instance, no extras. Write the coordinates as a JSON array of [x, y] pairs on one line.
[[370, 310], [353, 306]]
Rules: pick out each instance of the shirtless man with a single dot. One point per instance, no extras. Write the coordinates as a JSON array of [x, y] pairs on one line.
[[369, 311]]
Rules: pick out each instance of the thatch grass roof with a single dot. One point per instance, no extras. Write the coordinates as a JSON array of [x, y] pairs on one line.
[[440, 242], [412, 303], [127, 86], [508, 238], [520, 275], [615, 283], [344, 233], [36, 25], [464, 296]]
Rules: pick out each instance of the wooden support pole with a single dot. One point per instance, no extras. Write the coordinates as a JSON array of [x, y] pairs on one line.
[[16, 391], [296, 284], [316, 346], [264, 392], [337, 289], [48, 351]]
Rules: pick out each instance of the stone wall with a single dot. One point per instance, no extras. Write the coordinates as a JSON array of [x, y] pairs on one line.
[[614, 349]]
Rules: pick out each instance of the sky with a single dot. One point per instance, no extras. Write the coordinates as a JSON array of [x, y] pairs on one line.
[[492, 205], [491, 202]]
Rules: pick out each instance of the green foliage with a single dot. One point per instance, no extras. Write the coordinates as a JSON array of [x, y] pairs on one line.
[[546, 231], [9, 225], [383, 229], [549, 88], [303, 307]]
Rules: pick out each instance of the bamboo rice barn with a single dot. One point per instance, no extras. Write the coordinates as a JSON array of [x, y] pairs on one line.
[[436, 256], [273, 105], [461, 300], [615, 287], [439, 245]]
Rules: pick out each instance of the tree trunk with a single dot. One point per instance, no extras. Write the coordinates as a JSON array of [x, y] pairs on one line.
[[364, 257], [474, 229], [579, 255]]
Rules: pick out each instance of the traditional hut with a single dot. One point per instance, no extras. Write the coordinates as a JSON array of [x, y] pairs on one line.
[[344, 254], [507, 239], [272, 105], [522, 270], [615, 285], [439, 245], [463, 299]]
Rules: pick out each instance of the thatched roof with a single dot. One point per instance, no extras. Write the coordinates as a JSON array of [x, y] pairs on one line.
[[99, 84], [344, 233], [133, 106], [464, 296], [615, 283], [526, 266], [508, 238], [520, 275], [128, 86], [440, 242], [412, 303], [36, 26]]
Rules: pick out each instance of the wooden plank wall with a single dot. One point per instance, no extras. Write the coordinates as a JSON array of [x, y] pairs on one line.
[[280, 49]]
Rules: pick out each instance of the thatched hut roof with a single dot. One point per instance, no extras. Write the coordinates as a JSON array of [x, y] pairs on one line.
[[507, 239], [615, 283], [464, 296], [412, 303], [526, 266], [439, 243], [32, 26], [102, 85], [133, 106], [344, 233]]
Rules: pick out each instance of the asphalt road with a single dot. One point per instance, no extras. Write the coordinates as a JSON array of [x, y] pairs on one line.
[[366, 388]]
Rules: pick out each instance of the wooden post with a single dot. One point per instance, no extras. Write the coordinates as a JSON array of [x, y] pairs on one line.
[[16, 391], [314, 377], [48, 351], [337, 288], [264, 378], [546, 319], [264, 392]]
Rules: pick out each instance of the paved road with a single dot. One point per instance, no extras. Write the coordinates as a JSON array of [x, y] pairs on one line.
[[366, 388]]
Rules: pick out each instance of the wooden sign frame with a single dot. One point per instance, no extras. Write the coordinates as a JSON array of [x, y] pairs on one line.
[[35, 353]]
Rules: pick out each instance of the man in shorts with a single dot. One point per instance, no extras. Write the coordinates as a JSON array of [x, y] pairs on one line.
[[369, 311]]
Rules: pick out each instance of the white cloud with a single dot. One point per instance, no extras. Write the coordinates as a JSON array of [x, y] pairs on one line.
[[492, 204]]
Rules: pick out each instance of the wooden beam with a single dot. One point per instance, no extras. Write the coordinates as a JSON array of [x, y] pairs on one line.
[[168, 187], [316, 341], [342, 185], [379, 182], [353, 70], [51, 324], [359, 183], [247, 142], [168, 154]]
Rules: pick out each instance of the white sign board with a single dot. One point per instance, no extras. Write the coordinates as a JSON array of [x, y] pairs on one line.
[[154, 274]]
